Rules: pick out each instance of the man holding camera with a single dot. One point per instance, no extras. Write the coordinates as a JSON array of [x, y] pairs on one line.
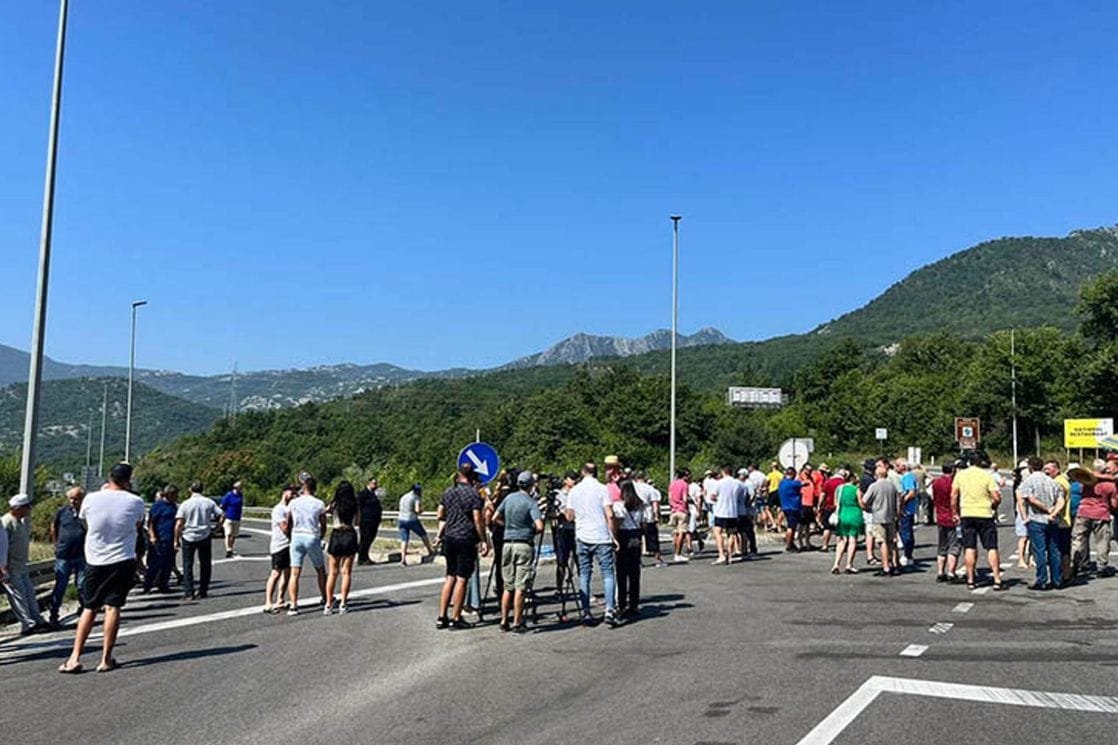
[[521, 517]]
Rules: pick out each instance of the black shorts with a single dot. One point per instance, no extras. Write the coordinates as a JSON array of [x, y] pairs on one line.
[[977, 529], [949, 542], [825, 516], [726, 523], [108, 584], [564, 545], [343, 543], [461, 557], [281, 560], [773, 499], [652, 538], [807, 514]]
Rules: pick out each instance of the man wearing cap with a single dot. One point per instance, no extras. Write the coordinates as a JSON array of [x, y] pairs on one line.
[[521, 518], [112, 516], [232, 506], [613, 477], [15, 574], [408, 522], [67, 535]]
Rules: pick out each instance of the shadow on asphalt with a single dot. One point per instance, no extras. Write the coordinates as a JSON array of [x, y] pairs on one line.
[[194, 654], [379, 604]]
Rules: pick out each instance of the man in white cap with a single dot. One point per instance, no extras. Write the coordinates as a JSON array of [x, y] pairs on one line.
[[14, 572], [112, 516]]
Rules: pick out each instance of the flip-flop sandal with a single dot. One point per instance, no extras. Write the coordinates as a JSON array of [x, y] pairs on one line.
[[70, 670], [972, 586], [113, 665], [998, 587]]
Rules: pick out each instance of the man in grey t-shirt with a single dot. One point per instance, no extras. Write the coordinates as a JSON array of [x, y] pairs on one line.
[[520, 514], [880, 499]]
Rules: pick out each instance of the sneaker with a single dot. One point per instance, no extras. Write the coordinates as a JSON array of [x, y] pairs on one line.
[[520, 629], [905, 561], [343, 608], [719, 560], [228, 554], [611, 620], [442, 622], [659, 563], [678, 559], [504, 626], [588, 621], [458, 623], [292, 611], [327, 610], [268, 608]]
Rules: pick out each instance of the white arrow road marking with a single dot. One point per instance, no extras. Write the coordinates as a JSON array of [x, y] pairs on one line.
[[914, 650], [479, 465], [941, 628], [963, 607]]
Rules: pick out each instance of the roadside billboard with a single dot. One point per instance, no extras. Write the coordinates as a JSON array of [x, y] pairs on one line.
[[1086, 433]]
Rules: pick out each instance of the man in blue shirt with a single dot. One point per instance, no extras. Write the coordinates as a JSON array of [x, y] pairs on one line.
[[67, 533], [790, 505], [909, 489], [232, 505], [161, 536], [520, 514]]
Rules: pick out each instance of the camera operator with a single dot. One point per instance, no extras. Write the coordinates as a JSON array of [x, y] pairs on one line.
[[522, 521], [563, 531]]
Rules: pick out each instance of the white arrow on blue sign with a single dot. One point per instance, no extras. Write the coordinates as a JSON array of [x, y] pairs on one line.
[[483, 457]]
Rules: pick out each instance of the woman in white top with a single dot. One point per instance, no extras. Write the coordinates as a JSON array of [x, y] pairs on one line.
[[629, 517]]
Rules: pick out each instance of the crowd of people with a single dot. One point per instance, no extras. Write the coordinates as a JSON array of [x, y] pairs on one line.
[[108, 542]]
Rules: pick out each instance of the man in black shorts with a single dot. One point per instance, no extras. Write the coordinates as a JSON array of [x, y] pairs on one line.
[[461, 528], [112, 517]]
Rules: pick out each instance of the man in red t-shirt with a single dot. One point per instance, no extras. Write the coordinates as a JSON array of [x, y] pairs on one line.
[[827, 504], [1092, 519], [947, 553], [680, 518]]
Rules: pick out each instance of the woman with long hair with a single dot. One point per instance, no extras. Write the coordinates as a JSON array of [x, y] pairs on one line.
[[851, 523], [629, 515], [342, 547]]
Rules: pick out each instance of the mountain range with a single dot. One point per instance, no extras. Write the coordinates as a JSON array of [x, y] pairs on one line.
[[998, 284]]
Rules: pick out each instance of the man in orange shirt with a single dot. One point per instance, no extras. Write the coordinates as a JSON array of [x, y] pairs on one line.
[[807, 507]]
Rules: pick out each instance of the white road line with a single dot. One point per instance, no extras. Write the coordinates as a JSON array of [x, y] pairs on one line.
[[962, 608], [13, 652], [255, 530], [980, 591], [941, 628], [914, 650], [1007, 565], [832, 726], [243, 558], [1013, 557]]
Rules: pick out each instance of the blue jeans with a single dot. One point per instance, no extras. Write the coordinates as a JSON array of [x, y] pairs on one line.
[[63, 568], [587, 553], [1046, 551], [908, 534]]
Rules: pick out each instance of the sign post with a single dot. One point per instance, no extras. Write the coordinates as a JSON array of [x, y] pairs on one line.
[[483, 457], [881, 434], [967, 432]]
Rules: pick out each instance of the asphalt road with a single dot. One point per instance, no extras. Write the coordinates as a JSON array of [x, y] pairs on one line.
[[774, 650]]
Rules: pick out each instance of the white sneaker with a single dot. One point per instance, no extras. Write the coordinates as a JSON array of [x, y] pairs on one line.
[[904, 561], [680, 559], [292, 611], [342, 609], [716, 562], [327, 610]]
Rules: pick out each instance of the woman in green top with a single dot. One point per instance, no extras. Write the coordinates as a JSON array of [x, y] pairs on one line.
[[851, 524]]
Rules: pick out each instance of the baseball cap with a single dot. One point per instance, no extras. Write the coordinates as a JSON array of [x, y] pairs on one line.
[[525, 479], [19, 500], [743, 472]]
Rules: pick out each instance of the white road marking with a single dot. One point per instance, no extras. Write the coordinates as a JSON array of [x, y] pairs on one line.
[[941, 628], [980, 591], [10, 653], [832, 726], [256, 530], [243, 558], [1013, 557], [1007, 565], [913, 650], [962, 608]]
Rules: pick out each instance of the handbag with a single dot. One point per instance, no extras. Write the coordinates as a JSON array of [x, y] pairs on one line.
[[833, 519]]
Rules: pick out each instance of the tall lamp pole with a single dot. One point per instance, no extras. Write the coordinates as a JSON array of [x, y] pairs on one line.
[[1013, 383], [131, 372], [104, 418], [675, 322], [38, 329]]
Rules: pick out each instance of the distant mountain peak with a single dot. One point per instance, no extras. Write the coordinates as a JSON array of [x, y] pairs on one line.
[[581, 347]]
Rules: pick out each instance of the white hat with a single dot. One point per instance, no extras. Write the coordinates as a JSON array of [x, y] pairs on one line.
[[19, 500]]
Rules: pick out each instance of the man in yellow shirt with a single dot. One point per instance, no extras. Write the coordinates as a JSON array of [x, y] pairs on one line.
[[772, 483], [975, 497]]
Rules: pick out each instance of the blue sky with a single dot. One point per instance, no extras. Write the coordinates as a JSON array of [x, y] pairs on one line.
[[444, 184]]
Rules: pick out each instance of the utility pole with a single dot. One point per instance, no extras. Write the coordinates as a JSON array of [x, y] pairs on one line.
[[104, 418], [131, 372], [675, 322], [233, 395], [89, 439], [39, 327], [1013, 383]]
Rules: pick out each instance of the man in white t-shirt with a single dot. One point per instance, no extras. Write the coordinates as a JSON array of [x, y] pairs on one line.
[[651, 497], [725, 513], [193, 527], [589, 506], [112, 518], [280, 549], [694, 509], [307, 516]]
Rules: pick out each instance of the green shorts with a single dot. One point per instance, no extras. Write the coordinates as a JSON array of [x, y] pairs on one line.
[[516, 565]]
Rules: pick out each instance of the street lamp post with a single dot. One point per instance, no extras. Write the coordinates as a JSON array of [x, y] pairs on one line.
[[38, 329], [131, 372], [675, 322]]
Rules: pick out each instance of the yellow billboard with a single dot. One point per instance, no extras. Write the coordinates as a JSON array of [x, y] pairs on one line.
[[1086, 433]]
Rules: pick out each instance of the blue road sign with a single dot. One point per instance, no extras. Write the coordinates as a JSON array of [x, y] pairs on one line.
[[483, 457]]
